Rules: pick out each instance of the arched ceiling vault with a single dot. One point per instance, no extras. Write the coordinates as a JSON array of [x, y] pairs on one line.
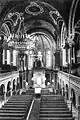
[[39, 10], [39, 15]]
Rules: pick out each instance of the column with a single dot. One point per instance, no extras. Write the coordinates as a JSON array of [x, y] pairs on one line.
[[15, 85], [64, 56], [77, 106], [11, 91], [14, 57], [50, 78], [17, 59], [25, 62], [65, 96], [3, 56], [70, 94], [27, 68], [70, 98], [62, 91], [5, 91], [8, 57]]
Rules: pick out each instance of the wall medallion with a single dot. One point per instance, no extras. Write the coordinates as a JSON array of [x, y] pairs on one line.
[[34, 9]]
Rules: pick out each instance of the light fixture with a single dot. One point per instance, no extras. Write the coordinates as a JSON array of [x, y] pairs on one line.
[[20, 40]]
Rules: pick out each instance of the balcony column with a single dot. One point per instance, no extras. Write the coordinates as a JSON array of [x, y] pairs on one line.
[[8, 57], [14, 57], [65, 96], [3, 56], [77, 106], [50, 78], [62, 91], [69, 90], [11, 91], [15, 86], [5, 91]]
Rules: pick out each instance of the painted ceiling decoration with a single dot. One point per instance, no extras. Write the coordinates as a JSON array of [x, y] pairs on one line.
[[77, 27], [39, 15], [34, 9], [55, 16]]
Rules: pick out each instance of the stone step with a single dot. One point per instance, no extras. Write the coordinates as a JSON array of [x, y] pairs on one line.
[[55, 112], [68, 118], [11, 118], [9, 103], [55, 115], [14, 106], [54, 106], [8, 108], [17, 101], [53, 103], [53, 109], [52, 98], [11, 111], [22, 96], [12, 114]]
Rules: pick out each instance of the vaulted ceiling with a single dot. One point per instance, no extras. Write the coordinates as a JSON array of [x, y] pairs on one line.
[[39, 15]]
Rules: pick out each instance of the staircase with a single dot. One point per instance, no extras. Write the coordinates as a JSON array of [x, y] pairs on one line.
[[16, 108], [53, 107]]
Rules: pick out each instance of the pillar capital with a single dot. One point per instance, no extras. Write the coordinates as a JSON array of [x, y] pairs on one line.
[[70, 40]]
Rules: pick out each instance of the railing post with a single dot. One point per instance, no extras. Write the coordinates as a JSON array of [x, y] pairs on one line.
[[77, 108], [71, 103], [65, 96], [5, 96], [62, 92]]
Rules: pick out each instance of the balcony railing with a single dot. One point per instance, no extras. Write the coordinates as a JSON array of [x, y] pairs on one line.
[[5, 76], [70, 78]]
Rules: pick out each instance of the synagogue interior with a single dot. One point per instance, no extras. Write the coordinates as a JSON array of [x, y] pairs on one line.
[[39, 60]]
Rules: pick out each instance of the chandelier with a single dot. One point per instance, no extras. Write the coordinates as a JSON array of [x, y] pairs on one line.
[[21, 43], [20, 40]]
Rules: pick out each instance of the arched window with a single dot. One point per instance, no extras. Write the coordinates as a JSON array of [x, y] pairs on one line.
[[48, 59], [40, 55], [30, 60]]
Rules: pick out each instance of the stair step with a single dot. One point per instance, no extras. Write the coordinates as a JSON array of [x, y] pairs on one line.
[[11, 111], [9, 103], [55, 115], [18, 106], [11, 114], [11, 118], [53, 102], [55, 112], [55, 106], [16, 109], [52, 109], [68, 118], [17, 101]]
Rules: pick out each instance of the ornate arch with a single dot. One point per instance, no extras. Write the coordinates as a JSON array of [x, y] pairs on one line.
[[71, 19]]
